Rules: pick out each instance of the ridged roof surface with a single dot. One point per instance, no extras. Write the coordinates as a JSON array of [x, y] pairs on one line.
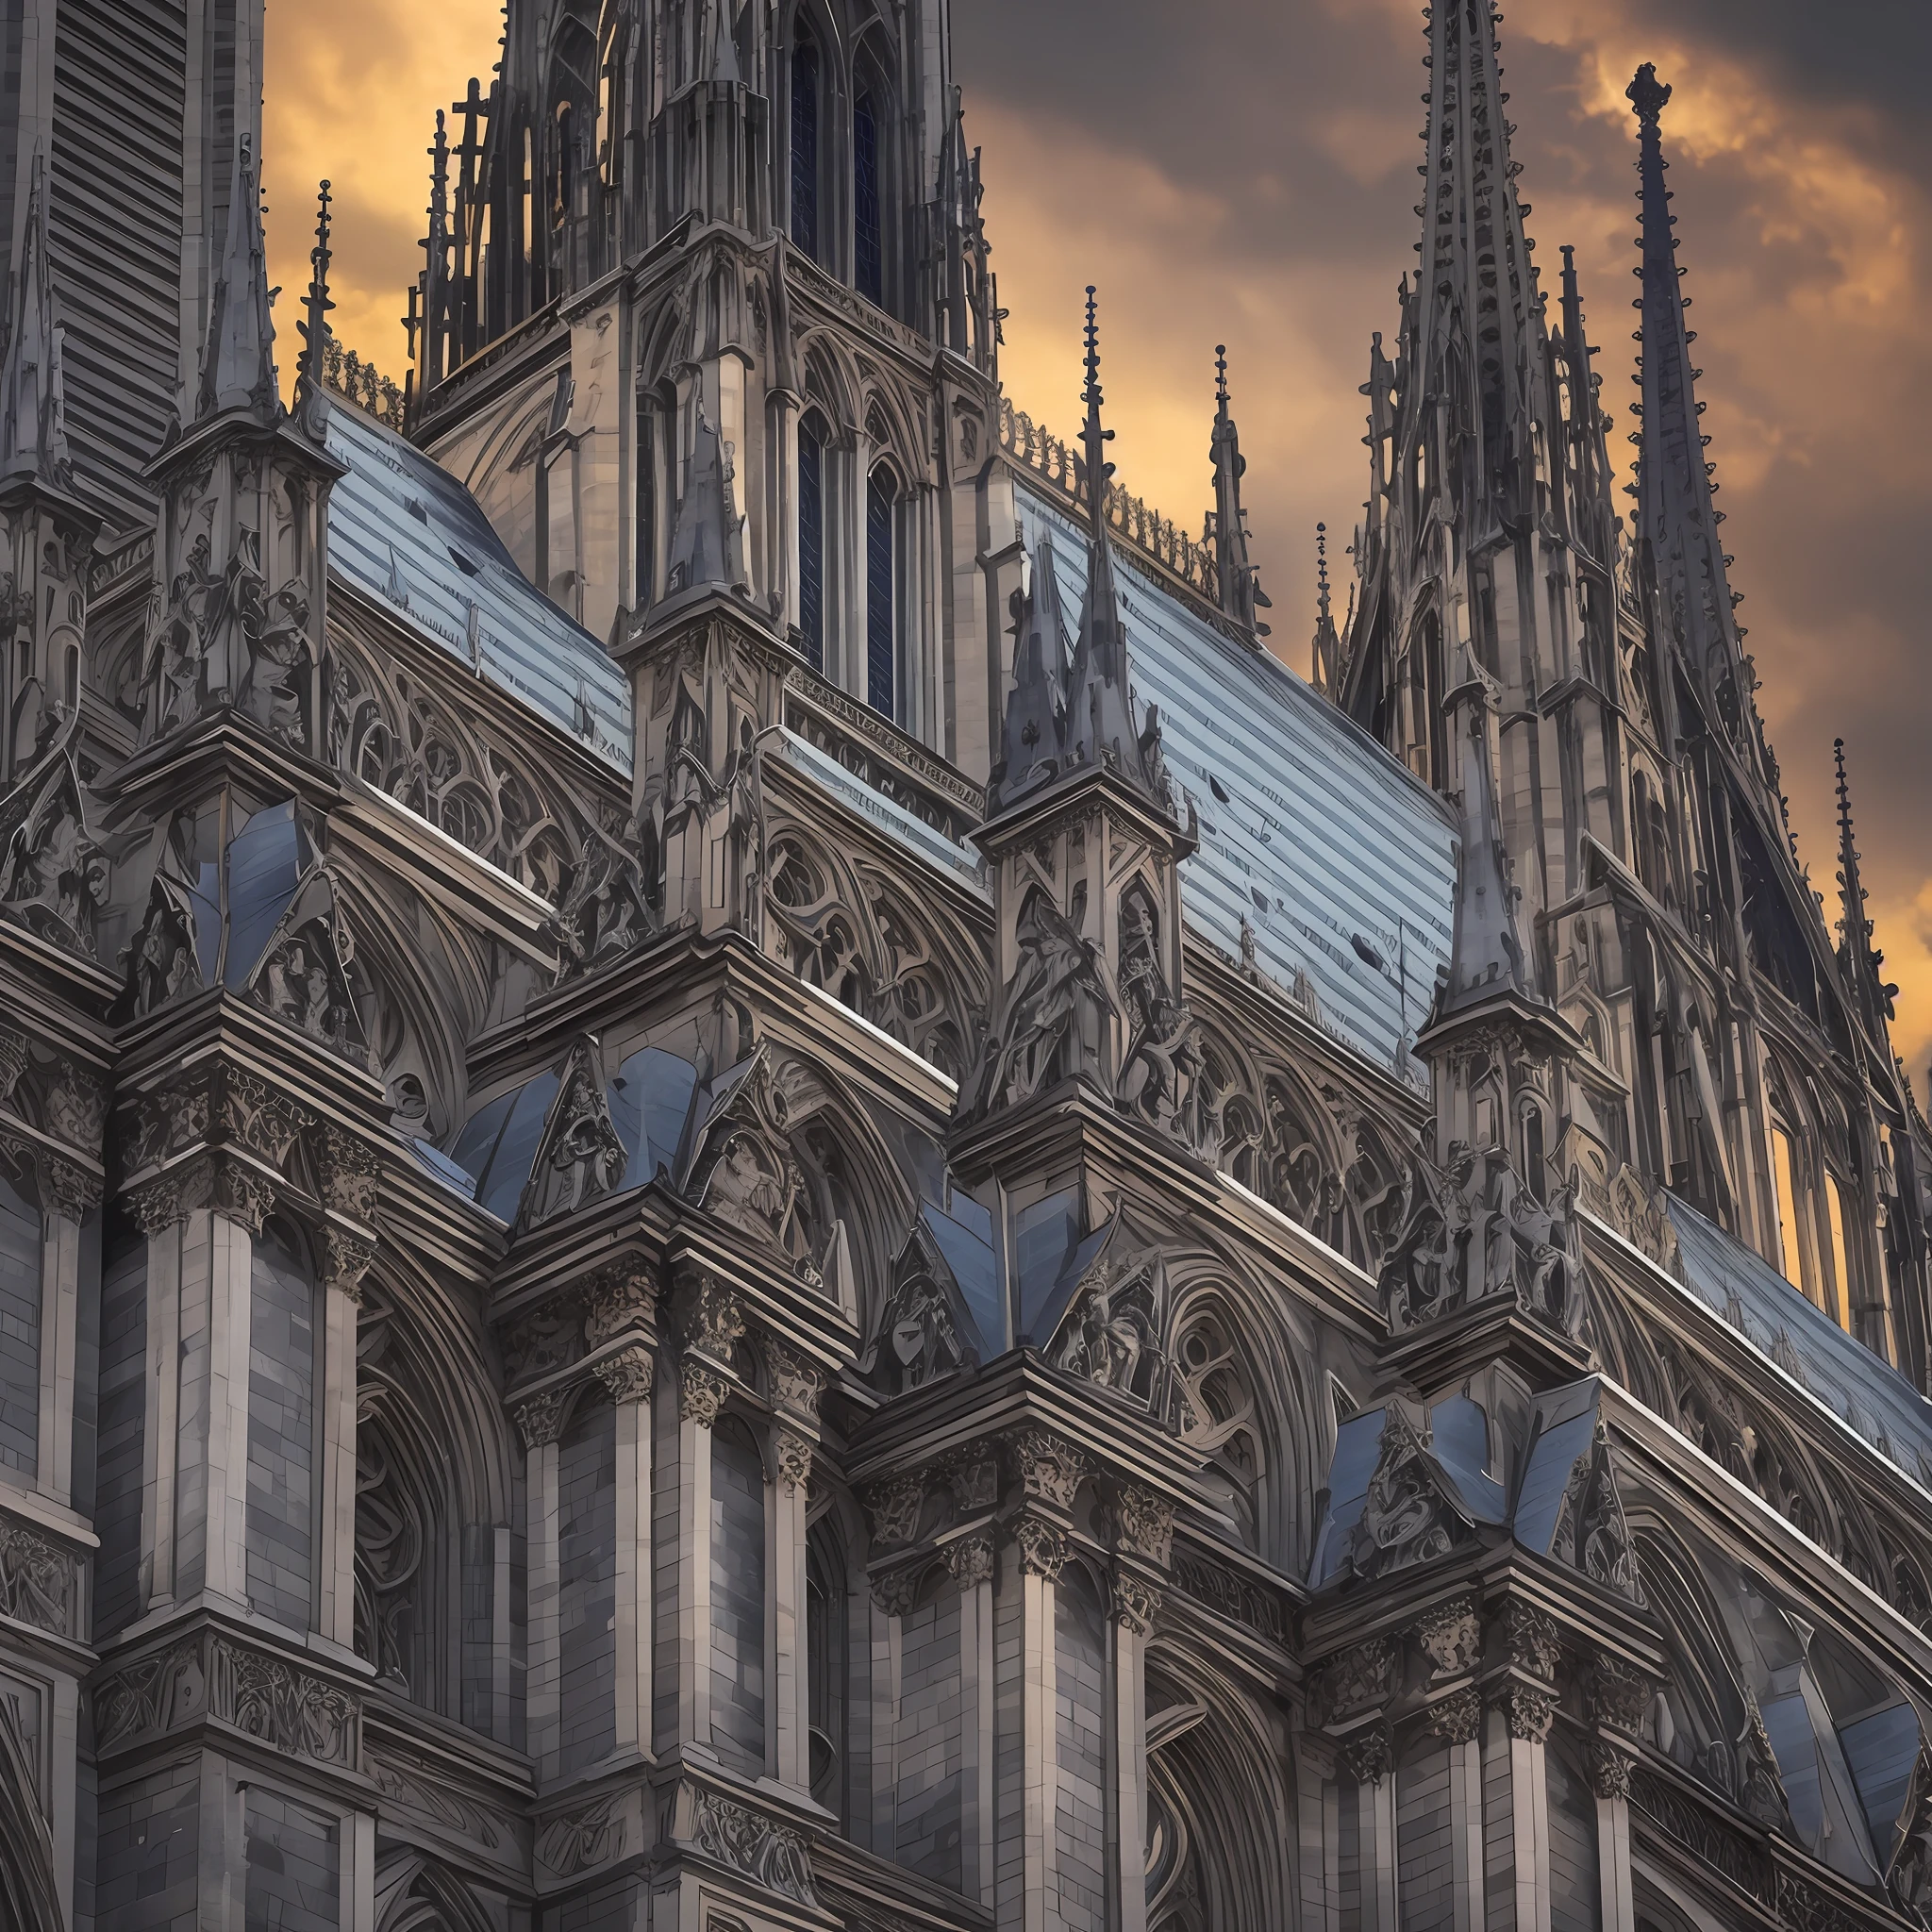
[[1341, 860], [402, 529]]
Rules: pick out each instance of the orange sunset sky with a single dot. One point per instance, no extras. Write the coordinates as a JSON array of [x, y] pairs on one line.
[[1241, 171]]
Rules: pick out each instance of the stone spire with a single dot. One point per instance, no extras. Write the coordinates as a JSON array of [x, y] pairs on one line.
[[238, 368], [435, 319], [311, 408], [1031, 743], [1678, 520], [1592, 503], [1099, 721], [1860, 961], [1241, 589], [1486, 955], [1326, 644], [33, 426], [708, 545]]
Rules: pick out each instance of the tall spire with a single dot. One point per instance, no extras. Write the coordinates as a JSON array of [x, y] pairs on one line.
[[1860, 961], [1322, 654], [1594, 514], [238, 368], [1031, 741], [1477, 299], [1241, 589], [311, 370], [33, 426], [436, 264], [1677, 519], [1100, 715]]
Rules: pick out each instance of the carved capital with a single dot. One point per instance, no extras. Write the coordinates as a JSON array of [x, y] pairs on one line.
[[629, 1373], [1144, 1525], [1527, 1709], [157, 1205], [1451, 1636], [346, 1258], [1459, 1717], [68, 1189], [895, 1508], [1049, 1468], [245, 1194], [700, 1393], [1365, 1754], [1619, 1695], [351, 1175], [1532, 1640], [1357, 1679], [709, 1318], [796, 1380], [255, 1116], [794, 1460], [1135, 1604], [540, 1421], [616, 1298], [972, 1559], [77, 1110], [1042, 1547], [1609, 1771]]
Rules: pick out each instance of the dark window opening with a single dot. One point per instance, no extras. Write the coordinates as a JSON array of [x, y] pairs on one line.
[[647, 507], [811, 546], [881, 632], [868, 256], [804, 147]]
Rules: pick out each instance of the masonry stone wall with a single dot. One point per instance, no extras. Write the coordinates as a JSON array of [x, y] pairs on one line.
[[930, 1754], [20, 1331], [281, 1432], [1080, 1753], [587, 1581], [122, 1413], [738, 1597], [293, 1859]]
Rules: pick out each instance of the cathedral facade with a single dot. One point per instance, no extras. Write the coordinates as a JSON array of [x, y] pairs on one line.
[[725, 1201]]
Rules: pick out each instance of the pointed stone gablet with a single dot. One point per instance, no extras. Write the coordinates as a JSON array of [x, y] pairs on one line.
[[312, 408], [33, 428], [1099, 720], [1239, 581], [706, 544], [1486, 955], [1860, 961], [238, 371], [1030, 745]]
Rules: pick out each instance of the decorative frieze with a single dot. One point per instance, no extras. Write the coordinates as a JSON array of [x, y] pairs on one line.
[[767, 1852], [617, 1298], [709, 1317], [1619, 1695], [291, 1709], [973, 1476], [1451, 1636], [581, 1841], [37, 1580], [1049, 1468], [1358, 1679], [1531, 1640], [1144, 1525], [895, 1508], [797, 1381]]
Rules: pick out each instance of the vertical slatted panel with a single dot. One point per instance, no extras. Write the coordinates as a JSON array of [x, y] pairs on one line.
[[119, 105]]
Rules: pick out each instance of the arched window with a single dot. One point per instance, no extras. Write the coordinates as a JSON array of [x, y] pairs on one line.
[[1784, 1179], [1575, 1881], [868, 237], [881, 615], [825, 1641], [805, 145], [281, 1427], [812, 540], [19, 1329], [738, 1597], [1840, 1260]]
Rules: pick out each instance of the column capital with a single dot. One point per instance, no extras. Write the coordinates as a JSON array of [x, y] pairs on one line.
[[1144, 1525], [1526, 1708], [710, 1316], [1042, 1547], [895, 1508], [701, 1394], [1365, 1754], [1609, 1770], [629, 1374], [1136, 1604], [539, 1419], [795, 1460], [617, 1297], [345, 1259], [973, 1560], [1458, 1718], [796, 1379], [67, 1188]]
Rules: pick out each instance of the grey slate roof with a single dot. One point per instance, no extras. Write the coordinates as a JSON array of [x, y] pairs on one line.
[[402, 529], [1803, 1341], [1342, 862]]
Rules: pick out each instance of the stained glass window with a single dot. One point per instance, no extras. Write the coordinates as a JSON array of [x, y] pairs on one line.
[[868, 258], [804, 147], [881, 630], [811, 545]]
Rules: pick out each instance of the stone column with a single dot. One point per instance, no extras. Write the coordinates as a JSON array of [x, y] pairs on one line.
[[701, 1394], [160, 1213], [1518, 1848], [1618, 1697], [1135, 1604], [1028, 1892], [1458, 1722], [795, 1387], [345, 1259], [628, 1375], [68, 1194], [1367, 1761], [973, 1560], [539, 1422]]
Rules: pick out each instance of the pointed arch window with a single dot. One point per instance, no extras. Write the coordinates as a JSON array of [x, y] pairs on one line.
[[881, 614], [805, 145], [868, 237], [812, 540]]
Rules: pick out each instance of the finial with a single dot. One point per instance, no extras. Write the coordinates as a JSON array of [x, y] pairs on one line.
[[33, 426], [1321, 565], [1647, 94], [312, 369], [1099, 471], [1221, 375]]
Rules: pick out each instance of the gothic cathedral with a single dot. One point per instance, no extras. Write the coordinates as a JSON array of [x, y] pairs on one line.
[[726, 1205]]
